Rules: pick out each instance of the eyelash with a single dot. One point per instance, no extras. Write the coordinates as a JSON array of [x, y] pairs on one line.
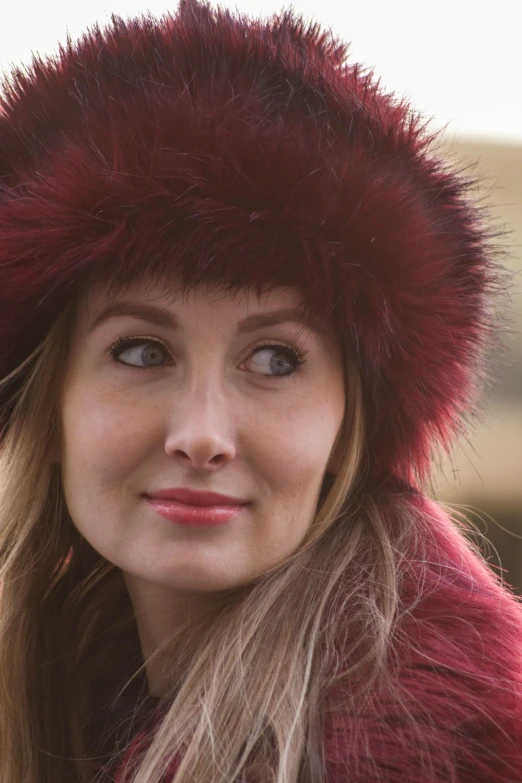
[[122, 343]]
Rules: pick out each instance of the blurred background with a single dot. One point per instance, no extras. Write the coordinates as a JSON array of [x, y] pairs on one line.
[[460, 63]]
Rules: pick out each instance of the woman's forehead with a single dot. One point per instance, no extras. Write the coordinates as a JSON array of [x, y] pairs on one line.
[[167, 291], [277, 303], [163, 290]]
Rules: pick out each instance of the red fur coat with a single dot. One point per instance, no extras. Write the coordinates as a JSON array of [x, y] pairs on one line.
[[459, 656]]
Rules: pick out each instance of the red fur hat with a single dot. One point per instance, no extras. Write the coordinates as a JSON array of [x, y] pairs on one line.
[[250, 153]]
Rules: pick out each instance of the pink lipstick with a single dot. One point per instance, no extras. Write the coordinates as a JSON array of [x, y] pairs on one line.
[[195, 508]]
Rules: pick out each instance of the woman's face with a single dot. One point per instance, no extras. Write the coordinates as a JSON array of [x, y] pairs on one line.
[[204, 393]]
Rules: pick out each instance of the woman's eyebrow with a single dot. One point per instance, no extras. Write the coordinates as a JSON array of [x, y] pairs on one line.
[[155, 315], [295, 315], [161, 317]]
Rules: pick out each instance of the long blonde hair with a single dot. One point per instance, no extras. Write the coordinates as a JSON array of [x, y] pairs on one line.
[[251, 699]]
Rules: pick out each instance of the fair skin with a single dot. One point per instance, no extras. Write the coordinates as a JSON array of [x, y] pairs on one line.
[[202, 406]]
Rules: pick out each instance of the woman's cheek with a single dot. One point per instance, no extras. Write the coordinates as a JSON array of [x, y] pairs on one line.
[[99, 436]]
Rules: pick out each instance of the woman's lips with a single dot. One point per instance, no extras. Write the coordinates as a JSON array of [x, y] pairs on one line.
[[195, 497], [185, 514]]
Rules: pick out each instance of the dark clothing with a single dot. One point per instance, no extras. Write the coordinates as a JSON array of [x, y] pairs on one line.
[[117, 722]]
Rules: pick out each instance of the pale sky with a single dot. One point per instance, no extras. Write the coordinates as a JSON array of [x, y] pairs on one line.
[[459, 61]]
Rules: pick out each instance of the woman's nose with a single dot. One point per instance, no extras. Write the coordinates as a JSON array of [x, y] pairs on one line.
[[201, 433]]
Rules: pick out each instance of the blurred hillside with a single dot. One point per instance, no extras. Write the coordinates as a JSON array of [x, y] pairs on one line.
[[486, 472]]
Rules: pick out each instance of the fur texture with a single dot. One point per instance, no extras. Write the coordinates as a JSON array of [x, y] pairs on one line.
[[251, 153], [456, 716]]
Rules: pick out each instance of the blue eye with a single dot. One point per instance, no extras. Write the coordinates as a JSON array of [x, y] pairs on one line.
[[270, 360], [279, 360], [137, 349]]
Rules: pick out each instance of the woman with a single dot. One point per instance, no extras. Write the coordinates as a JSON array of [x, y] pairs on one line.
[[242, 303]]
